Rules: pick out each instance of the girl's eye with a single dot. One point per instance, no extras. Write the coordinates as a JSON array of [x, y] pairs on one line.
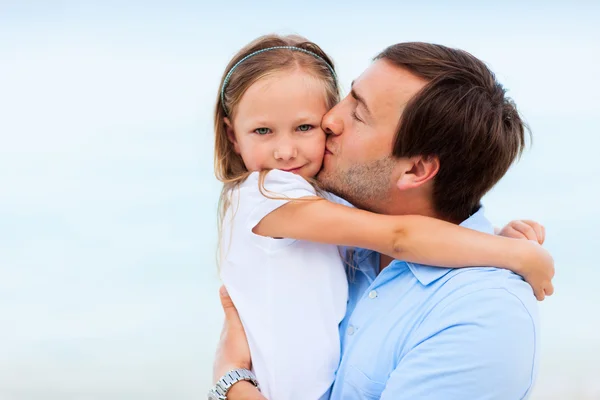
[[305, 127], [262, 131], [355, 116]]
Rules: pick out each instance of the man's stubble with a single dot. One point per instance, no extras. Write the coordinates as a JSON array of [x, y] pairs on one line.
[[366, 186]]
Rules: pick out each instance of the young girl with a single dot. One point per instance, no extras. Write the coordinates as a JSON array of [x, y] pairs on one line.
[[283, 270]]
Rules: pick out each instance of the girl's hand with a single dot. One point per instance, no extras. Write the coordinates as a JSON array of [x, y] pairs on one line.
[[524, 229], [537, 268]]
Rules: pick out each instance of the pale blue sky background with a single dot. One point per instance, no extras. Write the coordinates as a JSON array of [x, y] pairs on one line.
[[108, 200]]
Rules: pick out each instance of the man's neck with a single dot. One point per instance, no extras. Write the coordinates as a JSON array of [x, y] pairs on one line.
[[384, 261], [409, 206]]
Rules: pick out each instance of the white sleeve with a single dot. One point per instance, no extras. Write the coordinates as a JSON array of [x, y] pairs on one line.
[[279, 187]]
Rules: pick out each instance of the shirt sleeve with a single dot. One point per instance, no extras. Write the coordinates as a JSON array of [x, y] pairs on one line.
[[279, 187], [481, 346]]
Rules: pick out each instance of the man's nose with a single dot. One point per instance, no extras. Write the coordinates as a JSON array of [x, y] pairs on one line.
[[332, 123]]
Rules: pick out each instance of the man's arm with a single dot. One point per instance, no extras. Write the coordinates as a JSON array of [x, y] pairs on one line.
[[244, 390], [233, 352], [481, 346]]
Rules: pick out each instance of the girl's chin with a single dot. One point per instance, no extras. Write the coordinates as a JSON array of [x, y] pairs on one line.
[[308, 172]]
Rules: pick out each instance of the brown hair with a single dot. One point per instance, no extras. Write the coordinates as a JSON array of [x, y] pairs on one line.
[[229, 166], [463, 117]]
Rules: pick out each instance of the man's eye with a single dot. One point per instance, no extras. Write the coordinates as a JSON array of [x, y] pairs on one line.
[[305, 127], [262, 131]]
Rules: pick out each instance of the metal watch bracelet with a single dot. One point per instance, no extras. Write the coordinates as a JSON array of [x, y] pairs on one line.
[[219, 391]]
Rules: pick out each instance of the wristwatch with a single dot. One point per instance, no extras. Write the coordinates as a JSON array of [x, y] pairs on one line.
[[219, 391]]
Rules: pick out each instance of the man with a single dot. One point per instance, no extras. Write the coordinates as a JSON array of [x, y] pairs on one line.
[[426, 130]]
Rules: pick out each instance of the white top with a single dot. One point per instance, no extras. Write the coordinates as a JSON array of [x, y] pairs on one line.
[[291, 294]]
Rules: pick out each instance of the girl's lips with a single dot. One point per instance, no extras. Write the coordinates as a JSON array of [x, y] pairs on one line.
[[292, 170]]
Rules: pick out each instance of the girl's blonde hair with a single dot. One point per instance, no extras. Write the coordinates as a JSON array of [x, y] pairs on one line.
[[229, 166]]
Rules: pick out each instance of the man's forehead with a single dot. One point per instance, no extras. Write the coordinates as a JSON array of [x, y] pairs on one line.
[[385, 86]]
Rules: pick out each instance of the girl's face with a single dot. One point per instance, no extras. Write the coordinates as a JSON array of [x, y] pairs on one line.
[[277, 124]]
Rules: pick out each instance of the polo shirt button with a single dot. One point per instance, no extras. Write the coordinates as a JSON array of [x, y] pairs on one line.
[[372, 294], [350, 330]]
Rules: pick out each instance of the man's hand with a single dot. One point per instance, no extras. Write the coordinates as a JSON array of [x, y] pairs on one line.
[[233, 351], [524, 229]]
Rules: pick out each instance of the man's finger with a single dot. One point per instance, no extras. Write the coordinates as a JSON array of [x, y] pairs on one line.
[[224, 294], [232, 318], [226, 302]]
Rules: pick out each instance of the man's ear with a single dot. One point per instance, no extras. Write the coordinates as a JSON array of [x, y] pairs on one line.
[[417, 171], [231, 135]]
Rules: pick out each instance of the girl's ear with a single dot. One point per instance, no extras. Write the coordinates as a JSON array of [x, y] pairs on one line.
[[231, 135]]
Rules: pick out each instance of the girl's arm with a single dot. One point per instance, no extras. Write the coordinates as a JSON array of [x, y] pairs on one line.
[[413, 238]]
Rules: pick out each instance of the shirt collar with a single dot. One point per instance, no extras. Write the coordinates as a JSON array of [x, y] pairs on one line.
[[426, 274]]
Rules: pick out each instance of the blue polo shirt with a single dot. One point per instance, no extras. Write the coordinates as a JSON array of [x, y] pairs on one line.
[[420, 332]]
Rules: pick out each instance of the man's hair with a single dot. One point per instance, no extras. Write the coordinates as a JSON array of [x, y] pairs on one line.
[[463, 117]]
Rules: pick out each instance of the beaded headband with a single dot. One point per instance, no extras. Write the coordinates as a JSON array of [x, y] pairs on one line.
[[293, 48]]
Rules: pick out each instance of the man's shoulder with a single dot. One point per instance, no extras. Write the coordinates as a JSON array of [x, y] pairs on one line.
[[474, 292], [481, 278]]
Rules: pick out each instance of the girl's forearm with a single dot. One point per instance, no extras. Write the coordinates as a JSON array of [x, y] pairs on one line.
[[435, 242]]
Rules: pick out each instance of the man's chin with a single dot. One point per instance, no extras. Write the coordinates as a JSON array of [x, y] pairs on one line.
[[323, 177], [329, 181]]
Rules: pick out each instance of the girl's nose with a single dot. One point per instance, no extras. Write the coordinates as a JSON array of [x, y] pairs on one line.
[[286, 151]]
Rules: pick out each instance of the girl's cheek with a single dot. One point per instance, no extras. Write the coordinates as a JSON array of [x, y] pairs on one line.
[[318, 154], [253, 156]]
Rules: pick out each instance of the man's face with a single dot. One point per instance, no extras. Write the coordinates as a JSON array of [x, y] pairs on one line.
[[358, 164]]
